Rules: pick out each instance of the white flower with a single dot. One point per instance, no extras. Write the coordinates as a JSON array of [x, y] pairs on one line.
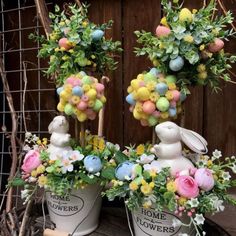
[[201, 160], [111, 146], [233, 157], [28, 135], [145, 159], [233, 168], [66, 165], [35, 138], [193, 202], [217, 204], [26, 148], [154, 166], [216, 154], [176, 222], [75, 156], [24, 193], [199, 219], [226, 176]]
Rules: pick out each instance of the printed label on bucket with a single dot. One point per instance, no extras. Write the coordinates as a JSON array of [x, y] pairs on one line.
[[64, 206], [153, 222]]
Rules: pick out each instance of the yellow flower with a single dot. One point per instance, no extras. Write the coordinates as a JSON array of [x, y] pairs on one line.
[[215, 32], [152, 185], [85, 23], [147, 204], [146, 189], [140, 149], [95, 142], [42, 180], [202, 47], [209, 163], [153, 173], [101, 145], [143, 182], [64, 58], [194, 11], [188, 38], [164, 21], [202, 75], [45, 141], [62, 23], [171, 86], [34, 173], [156, 62], [40, 169], [154, 97], [201, 68], [161, 45], [171, 186], [182, 201], [39, 142], [133, 186]]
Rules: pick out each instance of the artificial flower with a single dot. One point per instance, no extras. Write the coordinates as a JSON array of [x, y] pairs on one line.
[[204, 179], [199, 219], [31, 161]]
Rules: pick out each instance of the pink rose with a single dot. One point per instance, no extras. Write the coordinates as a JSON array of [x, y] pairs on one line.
[[204, 179], [31, 161], [187, 186]]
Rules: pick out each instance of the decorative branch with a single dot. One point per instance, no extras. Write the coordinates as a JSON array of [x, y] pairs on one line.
[[43, 15], [82, 134], [13, 133], [25, 218]]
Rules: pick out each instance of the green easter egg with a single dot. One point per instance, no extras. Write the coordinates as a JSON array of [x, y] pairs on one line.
[[152, 121], [162, 104], [170, 79], [86, 80], [69, 110], [148, 77], [97, 105]]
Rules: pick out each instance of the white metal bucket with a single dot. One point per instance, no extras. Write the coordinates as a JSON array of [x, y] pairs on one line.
[[155, 223], [78, 213]]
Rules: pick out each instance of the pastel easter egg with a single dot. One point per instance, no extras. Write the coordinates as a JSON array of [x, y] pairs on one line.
[[82, 117], [124, 170], [97, 34], [98, 105], [172, 112], [156, 114], [141, 84], [82, 105], [75, 99], [84, 98], [144, 122], [216, 46], [162, 104], [78, 91], [161, 88], [86, 80], [185, 15], [91, 94], [59, 90], [99, 87], [60, 107], [103, 99], [149, 107], [143, 93], [183, 96], [130, 99], [77, 82], [69, 110], [176, 64], [70, 80], [154, 71], [137, 115], [131, 108], [170, 79], [173, 103], [81, 74], [64, 43], [152, 121], [135, 84], [162, 31], [148, 77], [65, 95], [176, 95]]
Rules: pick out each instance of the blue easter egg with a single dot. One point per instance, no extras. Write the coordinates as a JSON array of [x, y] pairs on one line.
[[130, 99], [97, 34], [172, 112], [154, 71], [59, 90], [124, 170], [92, 164], [161, 88], [78, 91], [176, 64], [183, 96]]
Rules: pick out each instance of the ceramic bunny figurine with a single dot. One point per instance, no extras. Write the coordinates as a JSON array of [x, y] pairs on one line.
[[59, 140], [169, 150]]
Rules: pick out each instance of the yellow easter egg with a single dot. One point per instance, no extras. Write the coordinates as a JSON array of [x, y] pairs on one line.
[[171, 86], [65, 95], [86, 87], [62, 101], [164, 115], [137, 115], [91, 94], [169, 95], [91, 103], [103, 99], [135, 84], [140, 77], [60, 107], [144, 116], [143, 93], [68, 87], [75, 99], [129, 89], [135, 95], [82, 117]]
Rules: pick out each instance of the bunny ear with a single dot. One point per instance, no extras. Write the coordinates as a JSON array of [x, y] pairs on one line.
[[50, 127], [194, 141]]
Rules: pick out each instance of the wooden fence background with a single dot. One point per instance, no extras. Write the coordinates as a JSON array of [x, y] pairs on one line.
[[212, 115]]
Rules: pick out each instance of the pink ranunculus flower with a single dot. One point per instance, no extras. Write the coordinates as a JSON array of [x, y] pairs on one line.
[[187, 186], [31, 161], [204, 179]]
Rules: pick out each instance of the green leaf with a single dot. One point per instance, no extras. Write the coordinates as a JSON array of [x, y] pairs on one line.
[[108, 173], [120, 157], [88, 180], [17, 182]]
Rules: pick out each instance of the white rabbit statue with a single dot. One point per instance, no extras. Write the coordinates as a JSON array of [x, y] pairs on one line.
[[169, 150], [59, 140]]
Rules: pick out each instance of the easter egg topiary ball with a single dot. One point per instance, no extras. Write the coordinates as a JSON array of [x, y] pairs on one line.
[[81, 96]]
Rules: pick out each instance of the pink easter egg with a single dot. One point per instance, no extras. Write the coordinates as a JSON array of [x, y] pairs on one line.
[[99, 87], [85, 98], [63, 42], [141, 84], [144, 122], [131, 108], [82, 105], [176, 95], [77, 82], [156, 114], [149, 107], [216, 46], [173, 103], [70, 80], [162, 31]]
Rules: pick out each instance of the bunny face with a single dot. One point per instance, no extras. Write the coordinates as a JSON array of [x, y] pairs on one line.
[[59, 125], [168, 132]]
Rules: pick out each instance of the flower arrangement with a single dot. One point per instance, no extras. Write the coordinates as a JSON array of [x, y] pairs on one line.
[[190, 44], [141, 181], [77, 44], [72, 169], [154, 98]]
